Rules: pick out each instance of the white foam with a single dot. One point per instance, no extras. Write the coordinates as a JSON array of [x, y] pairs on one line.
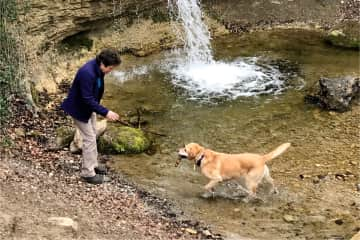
[[195, 70], [219, 79]]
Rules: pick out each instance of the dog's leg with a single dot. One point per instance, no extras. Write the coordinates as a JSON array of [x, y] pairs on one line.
[[210, 187], [252, 181], [269, 179]]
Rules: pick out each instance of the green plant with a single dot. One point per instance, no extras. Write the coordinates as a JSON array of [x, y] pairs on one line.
[[9, 56], [6, 142], [159, 16]]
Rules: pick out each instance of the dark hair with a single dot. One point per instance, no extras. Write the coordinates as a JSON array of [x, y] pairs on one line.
[[109, 57]]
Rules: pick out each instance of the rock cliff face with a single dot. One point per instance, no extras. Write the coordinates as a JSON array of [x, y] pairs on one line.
[[246, 14], [53, 20]]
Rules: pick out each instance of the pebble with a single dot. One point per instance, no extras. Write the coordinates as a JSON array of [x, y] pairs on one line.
[[191, 231], [339, 221], [289, 218], [64, 222], [316, 219], [358, 187]]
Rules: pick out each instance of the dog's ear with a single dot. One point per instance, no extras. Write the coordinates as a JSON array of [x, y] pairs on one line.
[[193, 150]]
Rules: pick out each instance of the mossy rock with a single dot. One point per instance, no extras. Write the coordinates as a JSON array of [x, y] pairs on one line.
[[118, 140], [64, 136], [346, 35]]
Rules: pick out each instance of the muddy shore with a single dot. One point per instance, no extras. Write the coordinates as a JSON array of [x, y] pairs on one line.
[[38, 185]]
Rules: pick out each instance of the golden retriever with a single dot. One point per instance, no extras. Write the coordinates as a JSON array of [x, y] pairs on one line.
[[219, 167]]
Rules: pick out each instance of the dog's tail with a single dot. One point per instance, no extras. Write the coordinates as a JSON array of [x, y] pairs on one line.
[[279, 150]]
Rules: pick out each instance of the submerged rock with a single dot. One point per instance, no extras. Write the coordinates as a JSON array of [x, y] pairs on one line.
[[123, 139], [335, 94], [346, 35]]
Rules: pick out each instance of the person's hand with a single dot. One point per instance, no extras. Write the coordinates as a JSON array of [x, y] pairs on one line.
[[112, 116]]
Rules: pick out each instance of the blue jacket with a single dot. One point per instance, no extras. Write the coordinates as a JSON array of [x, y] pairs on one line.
[[85, 93]]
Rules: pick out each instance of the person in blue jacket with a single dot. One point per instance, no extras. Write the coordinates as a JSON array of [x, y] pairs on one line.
[[83, 103]]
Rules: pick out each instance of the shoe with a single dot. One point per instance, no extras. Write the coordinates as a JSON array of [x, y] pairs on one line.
[[101, 169], [97, 179]]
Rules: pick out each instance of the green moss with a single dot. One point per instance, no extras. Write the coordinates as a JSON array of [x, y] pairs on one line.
[[345, 35], [159, 16], [123, 140]]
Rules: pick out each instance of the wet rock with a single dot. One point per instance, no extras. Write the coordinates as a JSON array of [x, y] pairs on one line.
[[237, 210], [206, 233], [345, 34], [123, 140], [191, 231], [289, 218], [335, 94], [63, 226], [340, 176], [20, 132], [317, 219], [64, 222], [356, 236], [339, 221]]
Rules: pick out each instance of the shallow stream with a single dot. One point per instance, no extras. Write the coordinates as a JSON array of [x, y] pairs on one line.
[[316, 177]]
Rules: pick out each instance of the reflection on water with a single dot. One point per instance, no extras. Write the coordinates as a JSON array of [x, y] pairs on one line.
[[323, 144]]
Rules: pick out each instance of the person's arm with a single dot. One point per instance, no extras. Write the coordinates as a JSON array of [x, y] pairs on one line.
[[86, 91]]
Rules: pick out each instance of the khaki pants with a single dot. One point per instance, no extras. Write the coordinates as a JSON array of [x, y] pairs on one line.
[[89, 147]]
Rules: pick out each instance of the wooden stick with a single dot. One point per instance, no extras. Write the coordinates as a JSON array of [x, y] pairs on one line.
[[145, 130]]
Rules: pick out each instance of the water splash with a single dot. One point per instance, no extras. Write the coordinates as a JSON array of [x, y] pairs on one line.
[[195, 33], [241, 78], [195, 70]]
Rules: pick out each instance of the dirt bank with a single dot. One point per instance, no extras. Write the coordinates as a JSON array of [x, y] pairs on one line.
[[42, 196]]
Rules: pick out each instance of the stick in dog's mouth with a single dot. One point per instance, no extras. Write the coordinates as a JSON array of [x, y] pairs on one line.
[[180, 157]]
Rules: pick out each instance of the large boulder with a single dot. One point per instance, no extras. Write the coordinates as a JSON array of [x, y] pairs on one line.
[[77, 141], [346, 34], [67, 136], [335, 93], [117, 140]]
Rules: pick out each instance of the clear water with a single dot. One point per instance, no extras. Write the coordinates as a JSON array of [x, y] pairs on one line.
[[323, 143]]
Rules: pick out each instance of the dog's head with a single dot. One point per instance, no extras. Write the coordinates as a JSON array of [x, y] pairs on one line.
[[191, 151]]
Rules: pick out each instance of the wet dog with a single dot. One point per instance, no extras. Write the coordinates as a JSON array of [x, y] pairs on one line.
[[220, 167]]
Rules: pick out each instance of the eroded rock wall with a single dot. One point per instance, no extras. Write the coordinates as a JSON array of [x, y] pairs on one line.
[[53, 20], [243, 15]]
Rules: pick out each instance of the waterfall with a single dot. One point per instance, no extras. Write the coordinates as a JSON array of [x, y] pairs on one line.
[[195, 70], [196, 35]]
